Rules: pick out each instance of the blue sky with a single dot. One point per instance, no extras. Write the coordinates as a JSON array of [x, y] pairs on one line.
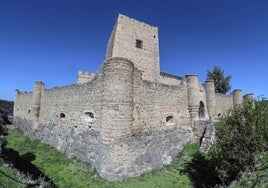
[[50, 40]]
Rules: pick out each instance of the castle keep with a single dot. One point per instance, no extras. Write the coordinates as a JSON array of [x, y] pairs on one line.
[[128, 118]]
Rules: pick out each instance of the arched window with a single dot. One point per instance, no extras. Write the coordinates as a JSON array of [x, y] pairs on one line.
[[90, 114], [62, 115], [170, 120], [201, 110]]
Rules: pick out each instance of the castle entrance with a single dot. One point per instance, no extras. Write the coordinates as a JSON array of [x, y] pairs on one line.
[[201, 110]]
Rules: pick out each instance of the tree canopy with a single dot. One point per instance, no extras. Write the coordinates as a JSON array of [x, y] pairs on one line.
[[222, 83]]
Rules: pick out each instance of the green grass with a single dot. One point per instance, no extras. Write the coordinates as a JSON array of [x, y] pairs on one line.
[[72, 173], [11, 178]]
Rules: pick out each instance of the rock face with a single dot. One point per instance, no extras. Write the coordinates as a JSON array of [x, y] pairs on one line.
[[126, 119], [207, 138]]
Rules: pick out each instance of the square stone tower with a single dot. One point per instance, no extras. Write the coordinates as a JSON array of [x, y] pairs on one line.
[[138, 42]]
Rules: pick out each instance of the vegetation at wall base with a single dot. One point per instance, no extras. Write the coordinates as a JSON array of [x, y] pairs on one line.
[[239, 156], [239, 159]]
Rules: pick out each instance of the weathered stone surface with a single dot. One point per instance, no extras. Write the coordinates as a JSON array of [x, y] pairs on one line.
[[207, 138], [126, 119]]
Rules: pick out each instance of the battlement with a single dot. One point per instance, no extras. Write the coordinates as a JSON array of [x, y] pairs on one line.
[[84, 77]]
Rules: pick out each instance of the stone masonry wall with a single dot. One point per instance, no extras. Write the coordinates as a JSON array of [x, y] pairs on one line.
[[159, 106], [223, 103], [69, 118], [121, 124], [123, 43], [23, 104], [135, 137], [169, 79]]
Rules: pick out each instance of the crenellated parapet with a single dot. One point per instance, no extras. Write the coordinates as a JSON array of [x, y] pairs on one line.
[[84, 77]]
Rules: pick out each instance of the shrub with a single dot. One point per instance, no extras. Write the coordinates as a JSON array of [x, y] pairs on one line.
[[242, 137], [242, 140]]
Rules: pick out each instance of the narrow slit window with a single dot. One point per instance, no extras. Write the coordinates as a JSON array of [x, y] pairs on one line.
[[62, 115], [139, 44]]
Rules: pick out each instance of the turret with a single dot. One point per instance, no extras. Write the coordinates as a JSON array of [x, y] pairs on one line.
[[17, 92], [193, 95], [249, 97], [210, 97], [117, 98], [116, 116], [37, 93], [237, 97]]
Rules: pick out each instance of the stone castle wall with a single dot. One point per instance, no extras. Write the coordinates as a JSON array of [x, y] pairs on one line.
[[159, 107], [123, 125], [223, 104], [69, 118], [129, 118], [169, 79], [23, 104]]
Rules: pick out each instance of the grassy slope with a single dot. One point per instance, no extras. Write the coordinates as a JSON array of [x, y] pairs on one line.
[[6, 173], [73, 173]]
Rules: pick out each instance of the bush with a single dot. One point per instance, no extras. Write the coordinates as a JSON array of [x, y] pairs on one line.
[[242, 139]]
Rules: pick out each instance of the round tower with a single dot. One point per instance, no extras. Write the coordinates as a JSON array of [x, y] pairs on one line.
[[193, 95], [36, 100], [117, 99], [17, 92], [237, 97], [210, 97], [249, 97]]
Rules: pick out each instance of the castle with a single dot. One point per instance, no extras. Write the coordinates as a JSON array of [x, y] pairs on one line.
[[128, 118]]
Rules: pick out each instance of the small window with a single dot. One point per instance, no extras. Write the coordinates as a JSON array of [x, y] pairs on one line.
[[90, 114], [62, 115], [169, 119], [139, 43], [29, 111]]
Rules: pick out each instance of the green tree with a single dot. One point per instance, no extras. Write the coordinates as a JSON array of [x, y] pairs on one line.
[[222, 83], [242, 138]]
